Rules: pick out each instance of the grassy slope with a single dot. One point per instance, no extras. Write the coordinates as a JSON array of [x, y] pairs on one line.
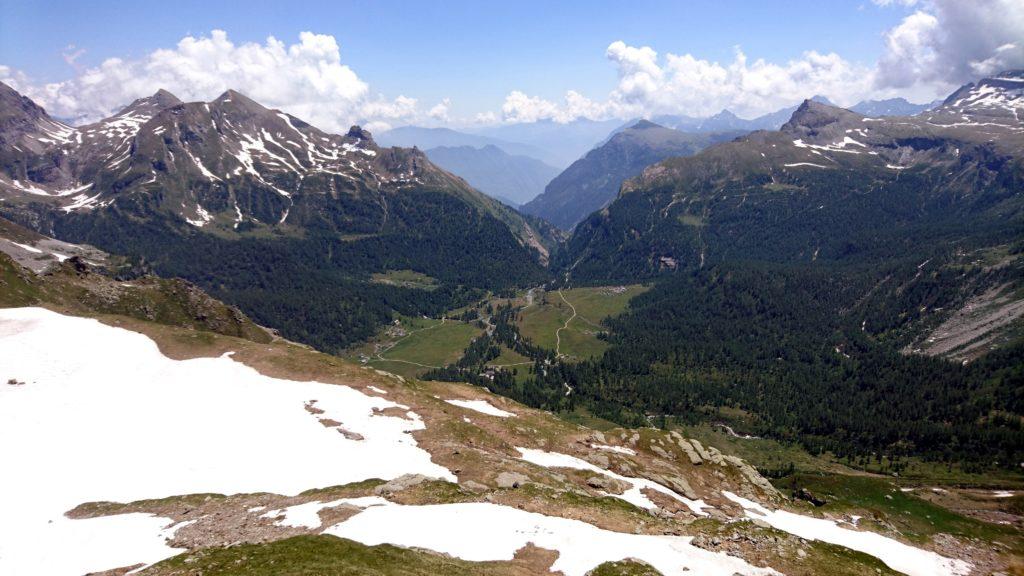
[[579, 339], [884, 505], [406, 278], [319, 555]]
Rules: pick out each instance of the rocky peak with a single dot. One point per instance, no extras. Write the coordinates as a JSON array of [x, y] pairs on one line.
[[235, 102], [149, 106], [1004, 90], [13, 104], [18, 114], [644, 125], [812, 117], [359, 133]]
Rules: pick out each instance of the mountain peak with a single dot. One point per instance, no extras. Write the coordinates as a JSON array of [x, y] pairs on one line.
[[812, 115], [1010, 75], [165, 96], [241, 100], [149, 106], [11, 99], [644, 125], [1000, 95], [359, 133]]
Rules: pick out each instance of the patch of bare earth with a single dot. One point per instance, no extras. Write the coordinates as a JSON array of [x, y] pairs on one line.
[[966, 334]]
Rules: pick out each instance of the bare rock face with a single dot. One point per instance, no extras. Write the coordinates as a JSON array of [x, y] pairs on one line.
[[679, 485], [511, 480], [699, 448], [399, 484], [752, 475], [607, 484], [687, 449]]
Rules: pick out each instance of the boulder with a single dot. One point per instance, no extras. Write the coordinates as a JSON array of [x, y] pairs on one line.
[[511, 480]]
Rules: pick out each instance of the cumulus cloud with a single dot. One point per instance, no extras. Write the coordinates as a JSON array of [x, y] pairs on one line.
[[439, 111], [650, 85], [951, 42], [307, 79], [942, 44]]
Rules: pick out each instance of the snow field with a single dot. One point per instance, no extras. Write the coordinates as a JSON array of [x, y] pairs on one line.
[[104, 416]]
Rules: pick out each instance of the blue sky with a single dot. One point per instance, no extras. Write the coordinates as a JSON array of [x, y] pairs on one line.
[[473, 53]]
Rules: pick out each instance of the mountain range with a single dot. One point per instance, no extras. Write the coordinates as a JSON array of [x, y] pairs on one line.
[[267, 211], [512, 179], [877, 260], [216, 294], [593, 181]]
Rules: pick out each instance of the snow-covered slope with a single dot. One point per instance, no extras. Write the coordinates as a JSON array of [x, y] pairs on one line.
[[111, 419]]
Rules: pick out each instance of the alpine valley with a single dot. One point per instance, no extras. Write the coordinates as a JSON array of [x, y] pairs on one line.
[[233, 343]]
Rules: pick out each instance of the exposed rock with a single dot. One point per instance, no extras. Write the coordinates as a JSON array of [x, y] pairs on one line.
[[661, 452], [511, 480], [607, 484], [700, 449], [599, 460], [401, 483], [687, 448], [752, 475], [679, 485], [807, 495], [474, 486], [715, 456]]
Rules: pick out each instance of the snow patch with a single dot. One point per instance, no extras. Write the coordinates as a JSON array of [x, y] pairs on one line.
[[481, 532], [111, 400], [481, 406], [634, 495], [617, 449], [897, 555], [32, 249], [307, 515]]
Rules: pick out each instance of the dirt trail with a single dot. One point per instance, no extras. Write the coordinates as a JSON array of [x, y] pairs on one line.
[[558, 333], [380, 355]]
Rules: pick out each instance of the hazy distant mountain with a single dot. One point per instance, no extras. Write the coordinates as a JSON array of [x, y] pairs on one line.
[[510, 178], [891, 107], [593, 181], [427, 138], [562, 143], [727, 121]]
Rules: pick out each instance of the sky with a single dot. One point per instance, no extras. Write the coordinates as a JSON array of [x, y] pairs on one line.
[[459, 63]]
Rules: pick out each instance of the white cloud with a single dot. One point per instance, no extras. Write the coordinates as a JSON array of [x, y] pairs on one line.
[[894, 2], [942, 44], [938, 45], [951, 42], [439, 111], [307, 79], [486, 118], [649, 85]]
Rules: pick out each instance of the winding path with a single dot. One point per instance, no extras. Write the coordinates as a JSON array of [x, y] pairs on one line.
[[558, 333], [380, 355]]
